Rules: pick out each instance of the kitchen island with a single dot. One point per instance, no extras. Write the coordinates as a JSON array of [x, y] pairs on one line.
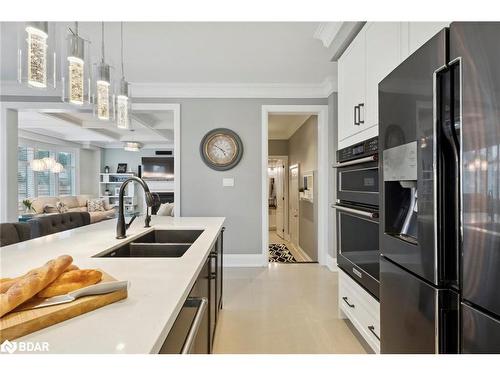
[[159, 286]]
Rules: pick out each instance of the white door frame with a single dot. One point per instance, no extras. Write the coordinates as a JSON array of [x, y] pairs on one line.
[[322, 112], [7, 213]]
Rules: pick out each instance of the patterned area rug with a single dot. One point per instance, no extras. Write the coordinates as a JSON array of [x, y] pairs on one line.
[[279, 253]]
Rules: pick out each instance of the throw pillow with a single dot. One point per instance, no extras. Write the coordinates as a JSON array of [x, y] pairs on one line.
[[50, 209], [61, 207], [166, 209], [94, 205]]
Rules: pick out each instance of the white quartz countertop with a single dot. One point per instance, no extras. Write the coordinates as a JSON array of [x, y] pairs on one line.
[[159, 286]]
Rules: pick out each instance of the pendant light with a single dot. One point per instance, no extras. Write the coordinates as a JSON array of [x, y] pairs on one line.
[[123, 103], [76, 82], [132, 146], [103, 96], [36, 65]]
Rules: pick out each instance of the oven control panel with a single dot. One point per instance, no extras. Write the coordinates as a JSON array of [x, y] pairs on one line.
[[358, 151]]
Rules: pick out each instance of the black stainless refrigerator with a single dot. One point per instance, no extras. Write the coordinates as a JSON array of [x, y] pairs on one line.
[[439, 150]]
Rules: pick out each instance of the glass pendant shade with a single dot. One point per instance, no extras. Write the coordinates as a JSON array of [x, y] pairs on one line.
[[76, 70], [37, 165], [36, 56], [49, 163], [57, 168], [103, 92], [123, 106]]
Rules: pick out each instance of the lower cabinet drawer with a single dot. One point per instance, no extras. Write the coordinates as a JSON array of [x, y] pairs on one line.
[[361, 309]]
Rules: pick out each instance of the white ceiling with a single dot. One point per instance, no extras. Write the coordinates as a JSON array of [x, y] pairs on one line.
[[202, 52], [284, 126], [149, 128]]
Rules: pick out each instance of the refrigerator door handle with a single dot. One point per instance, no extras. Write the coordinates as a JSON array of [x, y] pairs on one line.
[[356, 112]]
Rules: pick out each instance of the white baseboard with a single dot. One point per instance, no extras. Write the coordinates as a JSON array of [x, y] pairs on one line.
[[244, 260], [331, 263]]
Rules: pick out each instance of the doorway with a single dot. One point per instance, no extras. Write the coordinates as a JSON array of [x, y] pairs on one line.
[[320, 174], [293, 214]]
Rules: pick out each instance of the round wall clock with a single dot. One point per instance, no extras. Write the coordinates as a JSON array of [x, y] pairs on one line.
[[221, 149]]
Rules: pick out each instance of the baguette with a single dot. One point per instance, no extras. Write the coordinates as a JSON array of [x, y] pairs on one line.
[[32, 283], [6, 283], [70, 281]]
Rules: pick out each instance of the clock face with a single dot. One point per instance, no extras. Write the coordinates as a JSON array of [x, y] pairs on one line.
[[221, 149]]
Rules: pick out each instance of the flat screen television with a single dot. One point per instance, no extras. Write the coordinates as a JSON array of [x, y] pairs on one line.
[[158, 168]]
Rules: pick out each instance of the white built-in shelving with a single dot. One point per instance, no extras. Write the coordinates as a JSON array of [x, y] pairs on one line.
[[112, 182]]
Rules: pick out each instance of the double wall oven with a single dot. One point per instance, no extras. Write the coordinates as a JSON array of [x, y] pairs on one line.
[[357, 213]]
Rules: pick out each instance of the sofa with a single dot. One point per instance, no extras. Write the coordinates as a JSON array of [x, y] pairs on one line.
[[11, 233], [73, 203], [49, 224]]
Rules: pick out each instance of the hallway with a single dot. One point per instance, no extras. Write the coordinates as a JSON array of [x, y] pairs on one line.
[[282, 308]]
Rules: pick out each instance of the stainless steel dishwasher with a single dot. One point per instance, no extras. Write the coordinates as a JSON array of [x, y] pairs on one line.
[[189, 334]]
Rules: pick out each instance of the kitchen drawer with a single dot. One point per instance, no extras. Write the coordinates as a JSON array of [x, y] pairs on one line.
[[361, 309]]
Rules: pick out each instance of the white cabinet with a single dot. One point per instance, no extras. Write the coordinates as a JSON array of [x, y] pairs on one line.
[[361, 309], [373, 54], [383, 54], [421, 32], [351, 69]]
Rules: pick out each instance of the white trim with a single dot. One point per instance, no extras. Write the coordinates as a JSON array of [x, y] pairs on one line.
[[327, 31], [331, 263], [210, 90], [244, 260], [323, 167]]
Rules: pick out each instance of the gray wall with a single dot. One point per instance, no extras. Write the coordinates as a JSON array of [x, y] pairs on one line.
[[303, 150], [332, 179], [202, 193], [112, 156], [278, 147]]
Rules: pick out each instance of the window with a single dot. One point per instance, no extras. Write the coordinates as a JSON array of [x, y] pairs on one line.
[[34, 184]]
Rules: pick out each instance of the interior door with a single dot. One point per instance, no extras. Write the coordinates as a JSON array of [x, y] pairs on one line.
[[280, 199], [294, 204]]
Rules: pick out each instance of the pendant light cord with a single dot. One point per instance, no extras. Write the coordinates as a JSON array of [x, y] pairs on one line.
[[121, 34], [102, 40]]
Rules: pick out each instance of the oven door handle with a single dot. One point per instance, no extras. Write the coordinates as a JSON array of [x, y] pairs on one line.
[[357, 161], [371, 215]]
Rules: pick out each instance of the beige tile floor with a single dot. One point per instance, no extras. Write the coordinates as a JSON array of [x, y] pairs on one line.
[[297, 254], [283, 309]]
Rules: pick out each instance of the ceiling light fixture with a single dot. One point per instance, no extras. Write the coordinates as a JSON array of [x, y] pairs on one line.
[[57, 168], [36, 55], [37, 165], [103, 87], [123, 100], [49, 163], [76, 69], [132, 146]]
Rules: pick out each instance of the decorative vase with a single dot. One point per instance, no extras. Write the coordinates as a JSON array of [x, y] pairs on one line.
[[106, 169]]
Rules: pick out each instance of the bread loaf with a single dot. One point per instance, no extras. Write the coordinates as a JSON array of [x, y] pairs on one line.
[[6, 283], [70, 281], [32, 283]]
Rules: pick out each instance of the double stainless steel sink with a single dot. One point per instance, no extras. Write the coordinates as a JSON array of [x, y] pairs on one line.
[[156, 244]]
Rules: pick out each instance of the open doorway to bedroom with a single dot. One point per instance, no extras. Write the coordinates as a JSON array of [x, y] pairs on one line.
[[292, 164]]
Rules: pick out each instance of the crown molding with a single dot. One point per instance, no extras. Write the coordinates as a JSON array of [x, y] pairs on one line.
[[201, 90], [327, 31]]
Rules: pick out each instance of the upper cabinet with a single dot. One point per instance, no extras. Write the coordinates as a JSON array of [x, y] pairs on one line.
[[373, 54], [383, 54], [352, 68], [421, 32]]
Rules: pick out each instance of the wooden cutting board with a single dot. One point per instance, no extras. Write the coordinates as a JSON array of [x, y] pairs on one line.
[[19, 323]]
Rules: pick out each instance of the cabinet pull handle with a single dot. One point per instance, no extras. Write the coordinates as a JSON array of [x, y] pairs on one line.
[[213, 275], [372, 330], [356, 112], [348, 304], [198, 319], [361, 105]]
